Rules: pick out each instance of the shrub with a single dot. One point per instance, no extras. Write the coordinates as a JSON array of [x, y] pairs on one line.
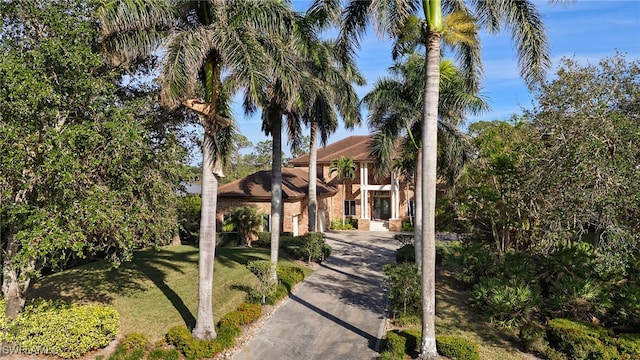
[[406, 254], [406, 226], [507, 302], [132, 347], [162, 354], [280, 293], [629, 346], [457, 348], [312, 247], [67, 330], [266, 284], [289, 276], [395, 347], [468, 262], [349, 224], [192, 348], [403, 284], [245, 314], [579, 340], [227, 239], [264, 240], [189, 218]]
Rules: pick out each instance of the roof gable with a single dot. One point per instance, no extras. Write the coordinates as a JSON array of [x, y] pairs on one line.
[[257, 186], [355, 147]]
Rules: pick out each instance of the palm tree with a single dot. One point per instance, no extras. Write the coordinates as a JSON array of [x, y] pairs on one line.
[[247, 221], [335, 95], [201, 40], [345, 169], [394, 111], [519, 16]]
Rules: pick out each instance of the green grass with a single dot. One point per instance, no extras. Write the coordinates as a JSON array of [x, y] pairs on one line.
[[158, 289]]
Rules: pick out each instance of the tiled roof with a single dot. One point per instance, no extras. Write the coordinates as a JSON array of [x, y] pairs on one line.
[[257, 186], [355, 147]]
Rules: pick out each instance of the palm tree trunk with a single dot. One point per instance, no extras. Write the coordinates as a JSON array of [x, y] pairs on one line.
[[417, 209], [313, 175], [429, 157], [276, 188], [205, 328]]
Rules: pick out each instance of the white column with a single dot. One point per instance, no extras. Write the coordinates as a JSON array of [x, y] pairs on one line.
[[364, 193], [395, 196]]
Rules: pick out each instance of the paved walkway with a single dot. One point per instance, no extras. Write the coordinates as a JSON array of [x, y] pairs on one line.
[[336, 313]]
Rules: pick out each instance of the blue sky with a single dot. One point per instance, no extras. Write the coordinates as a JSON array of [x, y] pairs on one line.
[[585, 30]]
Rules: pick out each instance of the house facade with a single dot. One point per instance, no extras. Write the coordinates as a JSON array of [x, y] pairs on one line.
[[377, 204]]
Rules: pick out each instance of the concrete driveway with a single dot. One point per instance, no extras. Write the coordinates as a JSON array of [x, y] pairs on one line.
[[337, 312]]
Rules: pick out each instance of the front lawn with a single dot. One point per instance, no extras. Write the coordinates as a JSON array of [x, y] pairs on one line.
[[158, 289]]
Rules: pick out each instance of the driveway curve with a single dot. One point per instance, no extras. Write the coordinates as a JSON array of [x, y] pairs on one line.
[[336, 313]]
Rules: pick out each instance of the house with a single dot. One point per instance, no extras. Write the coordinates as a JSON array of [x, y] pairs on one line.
[[377, 204]]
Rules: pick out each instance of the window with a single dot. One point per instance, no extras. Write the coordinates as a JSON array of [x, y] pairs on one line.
[[266, 222], [350, 208], [411, 211]]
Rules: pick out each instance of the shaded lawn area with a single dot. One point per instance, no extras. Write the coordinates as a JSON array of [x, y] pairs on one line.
[[158, 289]]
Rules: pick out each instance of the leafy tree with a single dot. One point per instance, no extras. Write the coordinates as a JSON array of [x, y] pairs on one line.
[[497, 197], [587, 170], [394, 111], [203, 40], [456, 21], [247, 221], [86, 168]]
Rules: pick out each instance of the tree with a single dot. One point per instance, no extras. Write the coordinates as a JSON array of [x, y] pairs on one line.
[[586, 168], [521, 17], [247, 221], [89, 165], [202, 40], [394, 111], [344, 169]]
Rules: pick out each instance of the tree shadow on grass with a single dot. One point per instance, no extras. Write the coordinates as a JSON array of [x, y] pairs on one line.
[[240, 255], [101, 282]]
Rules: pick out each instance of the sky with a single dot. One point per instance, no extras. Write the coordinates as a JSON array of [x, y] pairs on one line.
[[585, 30]]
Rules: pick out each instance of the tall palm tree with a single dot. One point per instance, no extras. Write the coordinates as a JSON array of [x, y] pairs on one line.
[[440, 18], [201, 41], [345, 169], [394, 111], [335, 95]]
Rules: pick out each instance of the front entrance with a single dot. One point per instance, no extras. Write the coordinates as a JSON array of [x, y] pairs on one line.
[[381, 208]]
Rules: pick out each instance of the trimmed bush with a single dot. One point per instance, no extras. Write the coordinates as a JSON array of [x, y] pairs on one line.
[[403, 283], [289, 276], [246, 314], [264, 240], [406, 254], [395, 347], [192, 348], [457, 348], [579, 340], [54, 327], [227, 239]]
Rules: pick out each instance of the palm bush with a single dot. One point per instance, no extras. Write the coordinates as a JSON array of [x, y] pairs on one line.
[[247, 221]]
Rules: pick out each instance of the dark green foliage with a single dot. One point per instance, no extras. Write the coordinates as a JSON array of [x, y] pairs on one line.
[[407, 226], [457, 348], [246, 221], [192, 348], [506, 301], [161, 354], [310, 247], [266, 282], [227, 239], [280, 293], [468, 261], [62, 329], [264, 239], [189, 207], [400, 344], [579, 340], [403, 284], [406, 254], [395, 347]]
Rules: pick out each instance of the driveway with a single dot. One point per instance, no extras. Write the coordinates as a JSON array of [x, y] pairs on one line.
[[337, 312]]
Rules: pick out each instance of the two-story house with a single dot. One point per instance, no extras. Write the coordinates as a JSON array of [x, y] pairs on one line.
[[377, 204]]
